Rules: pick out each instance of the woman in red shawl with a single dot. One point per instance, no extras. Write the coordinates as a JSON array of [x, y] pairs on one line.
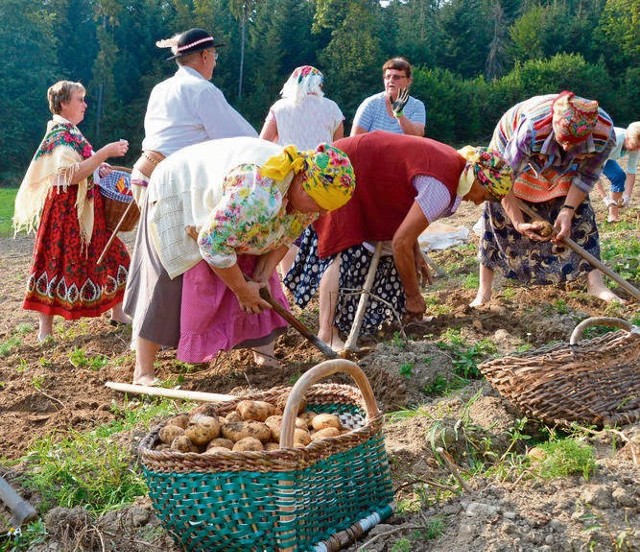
[[57, 197]]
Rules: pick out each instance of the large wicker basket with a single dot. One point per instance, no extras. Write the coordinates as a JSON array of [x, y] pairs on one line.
[[594, 382], [115, 189], [317, 498]]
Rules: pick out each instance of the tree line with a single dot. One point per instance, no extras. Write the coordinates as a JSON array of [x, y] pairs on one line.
[[472, 59]]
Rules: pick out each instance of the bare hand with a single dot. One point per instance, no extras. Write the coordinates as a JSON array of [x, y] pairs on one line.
[[423, 271], [104, 170], [415, 306], [117, 149], [534, 231], [249, 298], [563, 225]]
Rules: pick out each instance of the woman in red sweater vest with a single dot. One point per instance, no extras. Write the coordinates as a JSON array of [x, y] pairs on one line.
[[403, 183]]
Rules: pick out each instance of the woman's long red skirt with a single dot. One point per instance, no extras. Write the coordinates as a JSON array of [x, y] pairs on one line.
[[64, 278]]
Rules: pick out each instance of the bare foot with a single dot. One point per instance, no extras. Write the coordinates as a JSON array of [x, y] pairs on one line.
[[266, 361], [123, 319], [148, 381], [44, 336], [604, 293], [481, 299], [332, 339]]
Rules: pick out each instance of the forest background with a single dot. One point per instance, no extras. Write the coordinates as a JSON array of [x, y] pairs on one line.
[[472, 59]]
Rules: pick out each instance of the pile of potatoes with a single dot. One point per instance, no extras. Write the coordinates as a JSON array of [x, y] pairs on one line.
[[252, 426]]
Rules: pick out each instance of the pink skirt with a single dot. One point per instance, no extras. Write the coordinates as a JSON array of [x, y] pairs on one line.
[[211, 319]]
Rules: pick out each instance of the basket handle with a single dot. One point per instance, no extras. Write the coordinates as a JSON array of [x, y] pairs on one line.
[[576, 335], [121, 168], [312, 376]]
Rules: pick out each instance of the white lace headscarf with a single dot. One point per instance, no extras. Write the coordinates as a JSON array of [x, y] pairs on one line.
[[304, 81]]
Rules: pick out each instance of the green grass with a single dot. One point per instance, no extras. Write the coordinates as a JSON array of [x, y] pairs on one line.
[[7, 200], [563, 457]]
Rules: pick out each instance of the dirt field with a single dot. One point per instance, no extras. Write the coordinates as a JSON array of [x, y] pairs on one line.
[[42, 393]]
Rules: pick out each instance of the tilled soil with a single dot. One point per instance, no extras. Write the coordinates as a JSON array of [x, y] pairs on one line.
[[46, 391]]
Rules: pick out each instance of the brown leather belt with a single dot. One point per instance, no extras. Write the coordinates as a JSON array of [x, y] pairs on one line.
[[148, 162]]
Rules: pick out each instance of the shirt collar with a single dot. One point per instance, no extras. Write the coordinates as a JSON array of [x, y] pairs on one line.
[[183, 69]]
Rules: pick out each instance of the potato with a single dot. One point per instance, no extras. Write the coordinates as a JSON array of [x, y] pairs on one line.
[[301, 436], [308, 416], [322, 421], [542, 227], [275, 424], [184, 444], [163, 446], [216, 450], [221, 442], [239, 430], [272, 446], [169, 432], [247, 444], [181, 420], [205, 429], [325, 433], [233, 417], [255, 410], [281, 402]]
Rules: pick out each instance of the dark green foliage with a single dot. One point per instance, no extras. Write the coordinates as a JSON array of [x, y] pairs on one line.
[[473, 59]]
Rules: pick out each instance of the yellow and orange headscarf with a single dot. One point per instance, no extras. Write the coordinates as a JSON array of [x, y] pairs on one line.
[[489, 167], [328, 176]]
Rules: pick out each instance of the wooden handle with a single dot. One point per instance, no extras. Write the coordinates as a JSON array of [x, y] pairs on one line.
[[115, 232], [22, 511], [171, 393], [352, 340], [315, 374], [315, 340], [576, 335]]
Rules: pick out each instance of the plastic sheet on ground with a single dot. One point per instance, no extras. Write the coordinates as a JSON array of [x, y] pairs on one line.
[[439, 235]]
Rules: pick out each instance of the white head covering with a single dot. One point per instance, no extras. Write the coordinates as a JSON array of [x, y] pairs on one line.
[[304, 81]]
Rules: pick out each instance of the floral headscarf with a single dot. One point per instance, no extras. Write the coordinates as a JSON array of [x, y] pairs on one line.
[[574, 118], [328, 176], [489, 168], [304, 81]]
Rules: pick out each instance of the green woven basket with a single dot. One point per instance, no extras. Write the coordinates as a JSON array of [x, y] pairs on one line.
[[319, 498]]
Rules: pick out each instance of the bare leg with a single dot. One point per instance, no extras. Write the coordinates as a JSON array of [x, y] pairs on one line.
[[264, 355], [484, 289], [614, 207], [45, 326], [628, 192], [146, 351], [600, 189], [118, 315], [596, 287], [287, 261], [328, 298]]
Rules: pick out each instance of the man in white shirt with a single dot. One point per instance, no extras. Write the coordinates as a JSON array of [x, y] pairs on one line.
[[186, 108]]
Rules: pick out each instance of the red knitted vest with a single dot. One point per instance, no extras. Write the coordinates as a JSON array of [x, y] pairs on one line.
[[384, 164]]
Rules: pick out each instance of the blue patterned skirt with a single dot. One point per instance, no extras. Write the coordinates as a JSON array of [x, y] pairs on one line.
[[531, 262], [304, 278]]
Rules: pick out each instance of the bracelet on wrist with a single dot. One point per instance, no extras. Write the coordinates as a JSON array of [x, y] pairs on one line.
[[569, 207]]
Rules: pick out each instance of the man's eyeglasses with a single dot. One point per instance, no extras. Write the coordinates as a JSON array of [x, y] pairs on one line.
[[395, 77], [214, 54]]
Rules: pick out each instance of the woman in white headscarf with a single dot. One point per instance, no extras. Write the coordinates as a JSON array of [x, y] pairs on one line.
[[305, 118]]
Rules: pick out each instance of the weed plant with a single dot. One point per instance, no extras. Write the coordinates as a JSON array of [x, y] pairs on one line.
[[91, 469]]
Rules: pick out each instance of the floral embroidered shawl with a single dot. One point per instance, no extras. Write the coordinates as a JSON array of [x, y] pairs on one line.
[[54, 165]]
